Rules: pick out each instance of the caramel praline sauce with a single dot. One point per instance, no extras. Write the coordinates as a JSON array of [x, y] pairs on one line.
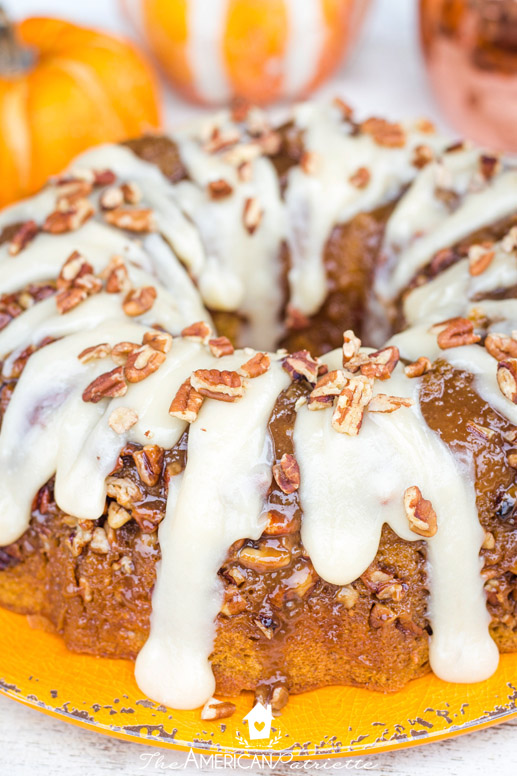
[[450, 405]]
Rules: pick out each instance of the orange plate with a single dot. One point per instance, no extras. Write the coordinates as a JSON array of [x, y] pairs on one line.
[[101, 694]]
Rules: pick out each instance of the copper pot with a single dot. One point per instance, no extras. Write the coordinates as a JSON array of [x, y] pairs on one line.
[[470, 48]]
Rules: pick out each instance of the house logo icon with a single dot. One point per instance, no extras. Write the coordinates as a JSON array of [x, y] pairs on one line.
[[259, 721]]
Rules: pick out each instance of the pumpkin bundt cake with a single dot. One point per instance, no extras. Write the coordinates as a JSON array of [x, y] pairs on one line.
[[303, 513]]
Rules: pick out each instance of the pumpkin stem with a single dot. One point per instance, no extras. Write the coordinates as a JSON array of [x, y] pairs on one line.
[[14, 58]]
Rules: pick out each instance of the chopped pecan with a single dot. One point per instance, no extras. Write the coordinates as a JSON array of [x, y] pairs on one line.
[[75, 267], [142, 363], [111, 198], [422, 155], [122, 350], [216, 384], [481, 431], [420, 513], [351, 404], [381, 402], [99, 542], [158, 340], [221, 139], [384, 133], [122, 419], [109, 385], [351, 346], [131, 193], [301, 365], [124, 491], [348, 596], [488, 541], [117, 515], [454, 333], [264, 557], [327, 387], [199, 331], [220, 346], [418, 368], [234, 602], [281, 523], [69, 298], [479, 259], [257, 365], [381, 615], [132, 219], [489, 166], [251, 215], [383, 584], [214, 710], [187, 403], [343, 107], [501, 346], [117, 276], [507, 378], [95, 352], [245, 171], [22, 237], [61, 221], [71, 191], [219, 189], [287, 473], [509, 241], [149, 464], [360, 178], [103, 177], [139, 300], [381, 364], [310, 162]]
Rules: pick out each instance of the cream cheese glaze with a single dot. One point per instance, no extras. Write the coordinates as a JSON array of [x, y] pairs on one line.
[[202, 253]]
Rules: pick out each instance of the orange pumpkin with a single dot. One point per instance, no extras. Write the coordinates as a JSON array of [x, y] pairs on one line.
[[64, 88], [260, 50]]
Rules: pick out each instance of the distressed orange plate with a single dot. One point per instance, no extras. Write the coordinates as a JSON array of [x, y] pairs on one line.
[[101, 694]]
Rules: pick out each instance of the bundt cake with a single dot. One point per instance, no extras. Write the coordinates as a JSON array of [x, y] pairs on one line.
[[303, 513]]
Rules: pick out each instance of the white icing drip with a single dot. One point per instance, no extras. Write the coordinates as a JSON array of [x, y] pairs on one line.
[[351, 486], [219, 500], [318, 201]]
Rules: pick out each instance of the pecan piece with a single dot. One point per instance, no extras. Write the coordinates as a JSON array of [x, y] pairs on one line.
[[22, 237], [214, 709], [62, 221], [287, 473], [216, 384], [479, 259], [348, 596], [111, 198], [264, 557], [384, 133], [149, 463], [69, 298], [310, 162], [117, 516], [301, 365], [422, 155], [124, 491], [418, 368], [351, 345], [122, 350], [139, 300], [500, 346], [507, 378], [327, 387], [187, 403], [199, 332], [455, 333], [134, 220], [117, 276], [252, 215], [109, 385], [257, 365], [142, 363], [95, 352], [350, 406], [122, 419], [381, 364], [220, 346], [381, 402], [360, 178], [420, 513], [219, 189], [75, 267], [158, 340], [131, 193]]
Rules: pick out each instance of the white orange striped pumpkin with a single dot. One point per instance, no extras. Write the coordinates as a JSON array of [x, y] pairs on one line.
[[261, 50]]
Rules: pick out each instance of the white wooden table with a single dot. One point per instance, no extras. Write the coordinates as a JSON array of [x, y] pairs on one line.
[[385, 77]]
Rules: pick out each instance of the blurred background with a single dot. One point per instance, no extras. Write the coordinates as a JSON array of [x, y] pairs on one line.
[[64, 88]]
